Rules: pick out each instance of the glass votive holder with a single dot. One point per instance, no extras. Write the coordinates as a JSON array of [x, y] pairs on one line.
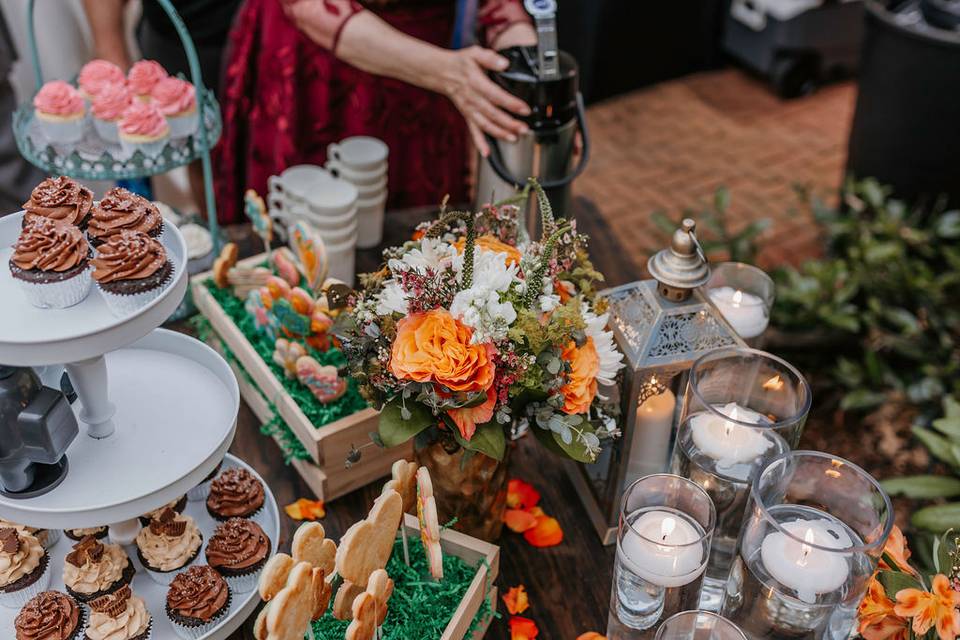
[[741, 409], [744, 295], [698, 625], [663, 543], [815, 531]]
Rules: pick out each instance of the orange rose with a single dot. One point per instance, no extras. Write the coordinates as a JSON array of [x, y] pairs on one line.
[[468, 419], [581, 387], [434, 347], [489, 243]]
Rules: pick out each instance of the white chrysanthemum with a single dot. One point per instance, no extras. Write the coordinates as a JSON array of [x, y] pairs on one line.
[[391, 299], [611, 360], [479, 306], [432, 254], [549, 300], [490, 269]]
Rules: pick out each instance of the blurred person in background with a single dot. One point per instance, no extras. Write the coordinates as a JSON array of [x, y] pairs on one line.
[[300, 74]]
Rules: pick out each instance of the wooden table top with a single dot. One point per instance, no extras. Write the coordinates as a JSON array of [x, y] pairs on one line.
[[568, 585]]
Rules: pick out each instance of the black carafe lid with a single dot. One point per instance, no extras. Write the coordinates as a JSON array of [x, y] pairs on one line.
[[552, 102]]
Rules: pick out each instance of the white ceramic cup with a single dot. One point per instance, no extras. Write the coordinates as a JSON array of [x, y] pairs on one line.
[[357, 177], [291, 188], [370, 221], [325, 224], [359, 153], [342, 259], [372, 192], [331, 198]]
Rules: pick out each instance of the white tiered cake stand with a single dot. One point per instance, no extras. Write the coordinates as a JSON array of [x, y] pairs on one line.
[[157, 409]]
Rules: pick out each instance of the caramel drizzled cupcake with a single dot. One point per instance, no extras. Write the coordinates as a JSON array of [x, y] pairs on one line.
[[122, 210], [24, 567], [238, 550], [51, 263], [93, 569], [235, 493], [197, 600], [131, 270], [119, 616], [59, 198], [50, 615], [168, 544]]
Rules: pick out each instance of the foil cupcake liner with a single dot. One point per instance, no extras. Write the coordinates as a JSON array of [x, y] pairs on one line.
[[58, 295], [62, 131], [200, 630], [183, 125], [17, 599], [150, 148], [107, 130], [125, 304]]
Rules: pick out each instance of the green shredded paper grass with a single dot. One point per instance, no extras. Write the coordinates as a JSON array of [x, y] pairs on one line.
[[318, 413], [420, 607]]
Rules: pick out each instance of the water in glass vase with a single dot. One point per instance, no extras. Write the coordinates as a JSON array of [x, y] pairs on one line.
[[723, 459], [784, 589], [653, 581]]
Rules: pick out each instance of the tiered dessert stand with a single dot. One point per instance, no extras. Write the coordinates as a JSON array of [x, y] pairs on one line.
[[157, 411]]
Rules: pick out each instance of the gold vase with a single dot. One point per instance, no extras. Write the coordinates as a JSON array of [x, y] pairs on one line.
[[472, 489]]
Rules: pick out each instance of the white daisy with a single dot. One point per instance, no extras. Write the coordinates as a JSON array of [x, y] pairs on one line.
[[611, 360], [391, 299]]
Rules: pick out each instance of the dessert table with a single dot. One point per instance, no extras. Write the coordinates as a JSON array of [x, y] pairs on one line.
[[580, 564]]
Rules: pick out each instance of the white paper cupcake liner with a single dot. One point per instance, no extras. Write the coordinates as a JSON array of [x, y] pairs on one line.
[[184, 125], [245, 583], [16, 599], [107, 130], [197, 632], [122, 305], [149, 149], [51, 538], [200, 492], [62, 131], [58, 295], [166, 577]]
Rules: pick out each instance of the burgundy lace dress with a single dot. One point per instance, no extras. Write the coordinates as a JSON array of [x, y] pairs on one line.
[[285, 98]]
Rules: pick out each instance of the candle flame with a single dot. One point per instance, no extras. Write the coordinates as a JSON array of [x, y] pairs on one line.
[[666, 528], [805, 549], [737, 298], [773, 384], [835, 471]]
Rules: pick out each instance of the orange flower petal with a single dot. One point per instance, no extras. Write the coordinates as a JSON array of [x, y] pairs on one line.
[[521, 495], [890, 628], [896, 548], [523, 628], [304, 509], [547, 533], [591, 635], [518, 520], [516, 599]]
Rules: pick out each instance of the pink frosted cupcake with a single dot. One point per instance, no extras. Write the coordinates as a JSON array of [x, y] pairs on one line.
[[59, 110], [143, 77], [177, 100], [108, 107], [97, 75], [143, 128]]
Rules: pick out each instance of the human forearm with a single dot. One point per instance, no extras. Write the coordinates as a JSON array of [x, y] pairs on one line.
[[106, 25]]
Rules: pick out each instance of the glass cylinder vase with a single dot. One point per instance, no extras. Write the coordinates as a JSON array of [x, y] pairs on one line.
[[816, 528], [744, 295], [698, 625], [741, 409], [663, 542], [468, 486]]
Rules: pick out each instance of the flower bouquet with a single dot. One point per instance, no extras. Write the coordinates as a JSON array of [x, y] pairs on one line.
[[469, 328]]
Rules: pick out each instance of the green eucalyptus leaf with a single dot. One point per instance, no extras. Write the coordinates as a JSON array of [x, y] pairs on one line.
[[937, 518], [923, 487], [949, 427], [895, 581], [394, 429]]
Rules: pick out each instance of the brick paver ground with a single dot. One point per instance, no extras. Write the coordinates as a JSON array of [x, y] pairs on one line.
[[670, 146]]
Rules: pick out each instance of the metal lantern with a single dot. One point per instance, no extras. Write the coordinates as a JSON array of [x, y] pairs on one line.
[[662, 326]]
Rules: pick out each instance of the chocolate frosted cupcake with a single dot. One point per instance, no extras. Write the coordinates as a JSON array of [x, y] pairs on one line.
[[121, 210], [119, 616], [24, 567], [93, 569], [238, 550], [177, 504], [60, 199], [50, 615], [197, 600], [235, 493], [100, 533], [131, 270], [168, 544], [51, 263]]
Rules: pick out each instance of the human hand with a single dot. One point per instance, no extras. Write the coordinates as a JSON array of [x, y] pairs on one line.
[[486, 106]]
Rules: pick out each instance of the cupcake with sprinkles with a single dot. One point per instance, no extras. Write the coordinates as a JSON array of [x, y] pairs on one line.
[[197, 601], [238, 550], [235, 493], [51, 264], [51, 615], [122, 210], [60, 198], [131, 270], [143, 77], [59, 110]]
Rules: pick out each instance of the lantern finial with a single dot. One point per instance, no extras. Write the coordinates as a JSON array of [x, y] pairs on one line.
[[681, 268]]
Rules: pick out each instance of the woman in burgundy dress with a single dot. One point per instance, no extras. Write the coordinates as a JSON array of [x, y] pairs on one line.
[[304, 73]]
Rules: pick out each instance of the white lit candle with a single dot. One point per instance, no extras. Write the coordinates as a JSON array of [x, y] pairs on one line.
[[802, 566], [653, 427], [726, 441], [658, 547], [745, 312]]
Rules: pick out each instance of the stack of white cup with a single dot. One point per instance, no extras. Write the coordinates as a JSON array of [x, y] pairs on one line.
[[309, 193], [362, 161]]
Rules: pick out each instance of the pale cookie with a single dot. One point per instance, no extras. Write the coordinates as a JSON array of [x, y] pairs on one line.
[[310, 544], [367, 545], [343, 602], [274, 576], [223, 264], [370, 607], [260, 624], [293, 608], [322, 590], [429, 523], [404, 482]]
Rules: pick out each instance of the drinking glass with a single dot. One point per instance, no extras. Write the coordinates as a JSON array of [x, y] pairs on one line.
[[744, 296], [698, 625]]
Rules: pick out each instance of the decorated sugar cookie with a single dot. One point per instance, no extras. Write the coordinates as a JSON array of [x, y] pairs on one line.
[[429, 523], [286, 353], [256, 212], [324, 382], [284, 263], [310, 252]]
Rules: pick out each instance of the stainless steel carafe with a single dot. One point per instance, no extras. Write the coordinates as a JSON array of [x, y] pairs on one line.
[[549, 85]]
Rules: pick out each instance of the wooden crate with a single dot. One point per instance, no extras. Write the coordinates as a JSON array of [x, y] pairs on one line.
[[473, 552], [329, 446]]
